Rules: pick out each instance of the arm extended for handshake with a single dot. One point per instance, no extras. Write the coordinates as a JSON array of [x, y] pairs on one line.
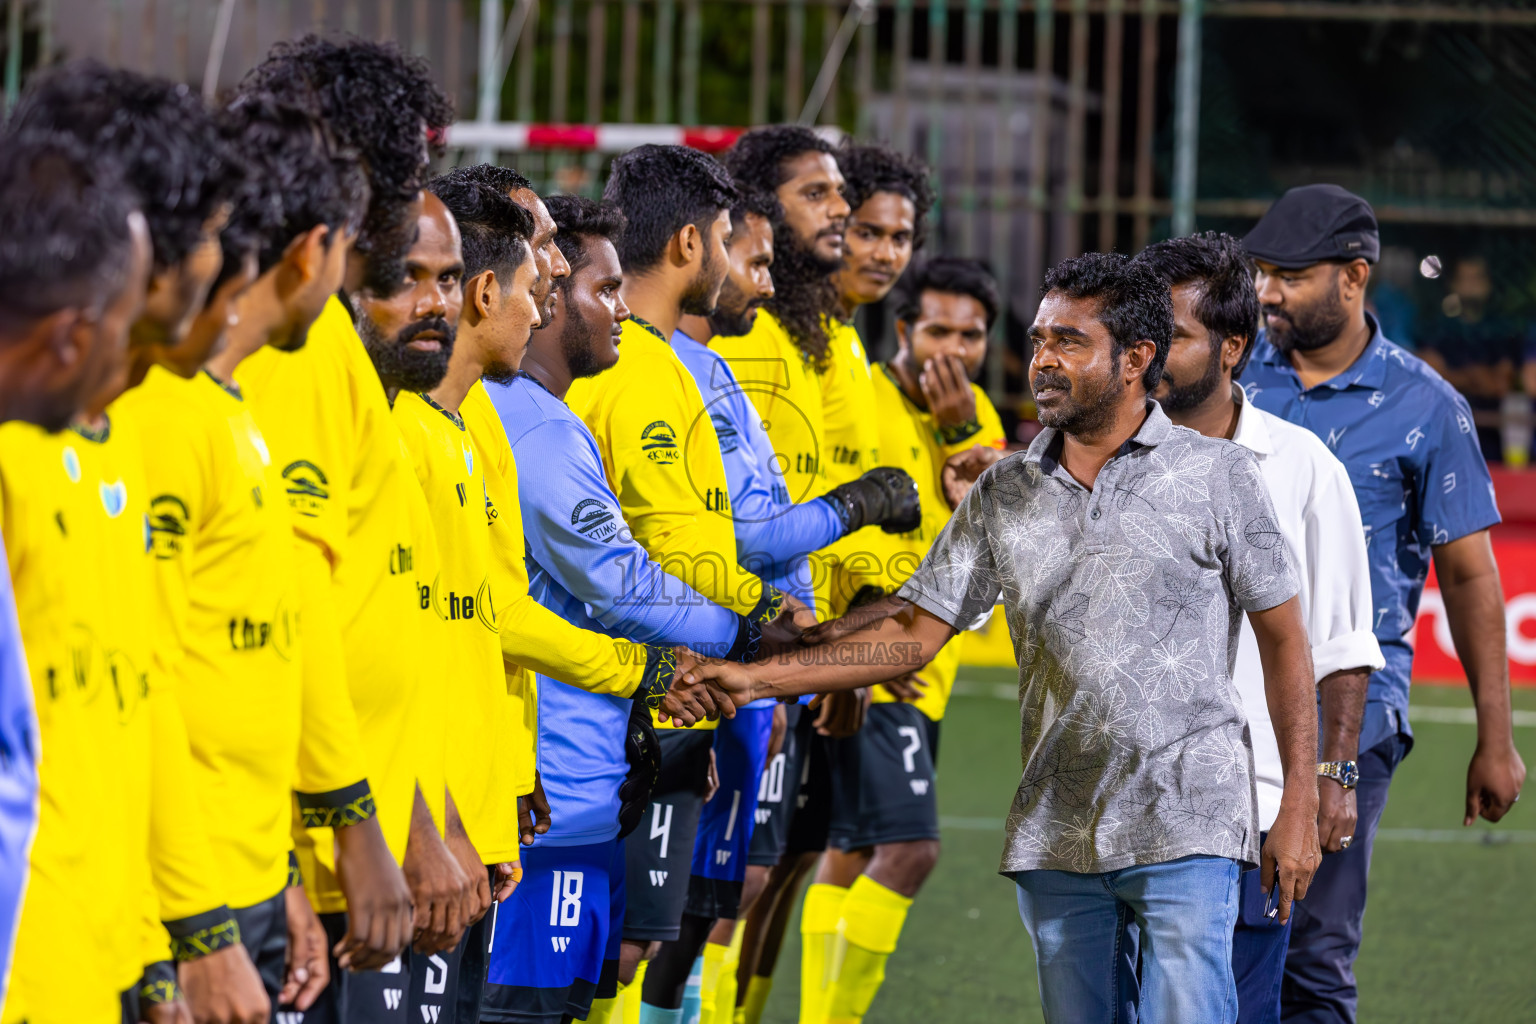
[[893, 637]]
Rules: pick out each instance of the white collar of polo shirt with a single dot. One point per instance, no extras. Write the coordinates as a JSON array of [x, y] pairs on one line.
[[1252, 432]]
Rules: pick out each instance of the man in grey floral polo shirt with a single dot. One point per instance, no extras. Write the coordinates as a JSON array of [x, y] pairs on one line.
[[1124, 550]]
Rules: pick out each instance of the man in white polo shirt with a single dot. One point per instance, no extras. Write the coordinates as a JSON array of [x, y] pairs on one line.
[[1216, 314]]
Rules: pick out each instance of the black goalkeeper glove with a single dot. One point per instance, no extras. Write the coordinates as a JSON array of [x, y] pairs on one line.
[[885, 495]]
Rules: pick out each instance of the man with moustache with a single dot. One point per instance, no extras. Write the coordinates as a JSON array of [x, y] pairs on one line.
[[363, 536], [1215, 321], [780, 363], [597, 752], [663, 459], [1409, 444], [773, 537], [1125, 550]]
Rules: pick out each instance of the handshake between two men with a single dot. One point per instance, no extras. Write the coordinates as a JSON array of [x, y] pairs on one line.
[[885, 642]]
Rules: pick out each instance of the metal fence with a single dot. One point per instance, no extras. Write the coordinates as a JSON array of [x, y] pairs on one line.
[[1052, 126]]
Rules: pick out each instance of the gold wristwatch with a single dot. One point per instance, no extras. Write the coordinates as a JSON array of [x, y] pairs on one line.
[[1345, 773]]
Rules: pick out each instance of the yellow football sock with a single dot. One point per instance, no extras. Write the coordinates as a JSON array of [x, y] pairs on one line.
[[602, 1011], [709, 978], [630, 994], [751, 1011], [818, 948], [870, 924], [719, 1007]]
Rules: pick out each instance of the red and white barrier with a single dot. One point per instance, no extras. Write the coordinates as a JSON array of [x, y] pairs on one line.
[[517, 136], [1434, 656]]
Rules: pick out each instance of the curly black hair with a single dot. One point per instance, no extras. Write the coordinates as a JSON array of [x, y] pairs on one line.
[[297, 179], [495, 230], [868, 169], [662, 189], [384, 105], [952, 276], [161, 133], [577, 219], [64, 236], [1228, 304], [752, 202], [1134, 302], [804, 295], [503, 179]]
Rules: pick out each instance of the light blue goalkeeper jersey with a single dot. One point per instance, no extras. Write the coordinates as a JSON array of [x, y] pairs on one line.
[[773, 534], [584, 565]]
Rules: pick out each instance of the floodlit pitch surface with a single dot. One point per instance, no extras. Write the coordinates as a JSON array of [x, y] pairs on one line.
[[1450, 934]]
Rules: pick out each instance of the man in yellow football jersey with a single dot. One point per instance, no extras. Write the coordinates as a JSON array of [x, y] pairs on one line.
[[781, 361], [884, 833], [171, 152], [662, 457], [366, 550], [224, 555], [777, 536], [74, 263], [481, 824]]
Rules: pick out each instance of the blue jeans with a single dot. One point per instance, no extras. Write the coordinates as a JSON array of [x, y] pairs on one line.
[[1319, 985], [1151, 943], [1258, 954]]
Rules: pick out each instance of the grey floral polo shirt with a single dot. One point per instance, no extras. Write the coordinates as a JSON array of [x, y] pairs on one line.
[[1124, 604]]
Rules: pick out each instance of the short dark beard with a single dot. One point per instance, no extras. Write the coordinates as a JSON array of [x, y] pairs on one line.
[[1184, 397], [500, 373], [1090, 406], [405, 368], [696, 300], [576, 338], [1310, 327], [804, 295], [734, 314]]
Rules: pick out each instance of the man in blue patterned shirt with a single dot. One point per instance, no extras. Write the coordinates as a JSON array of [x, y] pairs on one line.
[[1407, 440]]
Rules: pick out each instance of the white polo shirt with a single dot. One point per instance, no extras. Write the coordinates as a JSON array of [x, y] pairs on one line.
[[1320, 522]]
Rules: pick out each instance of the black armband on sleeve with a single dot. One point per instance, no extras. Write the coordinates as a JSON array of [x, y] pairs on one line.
[[193, 938], [960, 432], [350, 805], [749, 637], [660, 664], [158, 985], [768, 606]]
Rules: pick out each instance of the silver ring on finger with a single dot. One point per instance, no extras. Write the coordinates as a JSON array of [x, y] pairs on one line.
[[1344, 842]]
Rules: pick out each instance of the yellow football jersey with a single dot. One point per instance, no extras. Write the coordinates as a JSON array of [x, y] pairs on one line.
[[852, 434], [662, 458], [787, 395], [116, 807], [910, 440], [483, 755], [853, 448], [533, 638], [357, 508], [786, 392], [50, 538], [222, 547]]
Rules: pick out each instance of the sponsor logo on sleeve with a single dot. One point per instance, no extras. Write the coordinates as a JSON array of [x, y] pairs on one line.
[[659, 442], [594, 520], [307, 487], [167, 526]]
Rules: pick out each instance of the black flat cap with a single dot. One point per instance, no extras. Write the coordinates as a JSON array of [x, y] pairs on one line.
[[1312, 224]]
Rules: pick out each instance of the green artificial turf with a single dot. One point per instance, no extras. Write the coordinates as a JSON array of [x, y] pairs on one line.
[[1450, 934]]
